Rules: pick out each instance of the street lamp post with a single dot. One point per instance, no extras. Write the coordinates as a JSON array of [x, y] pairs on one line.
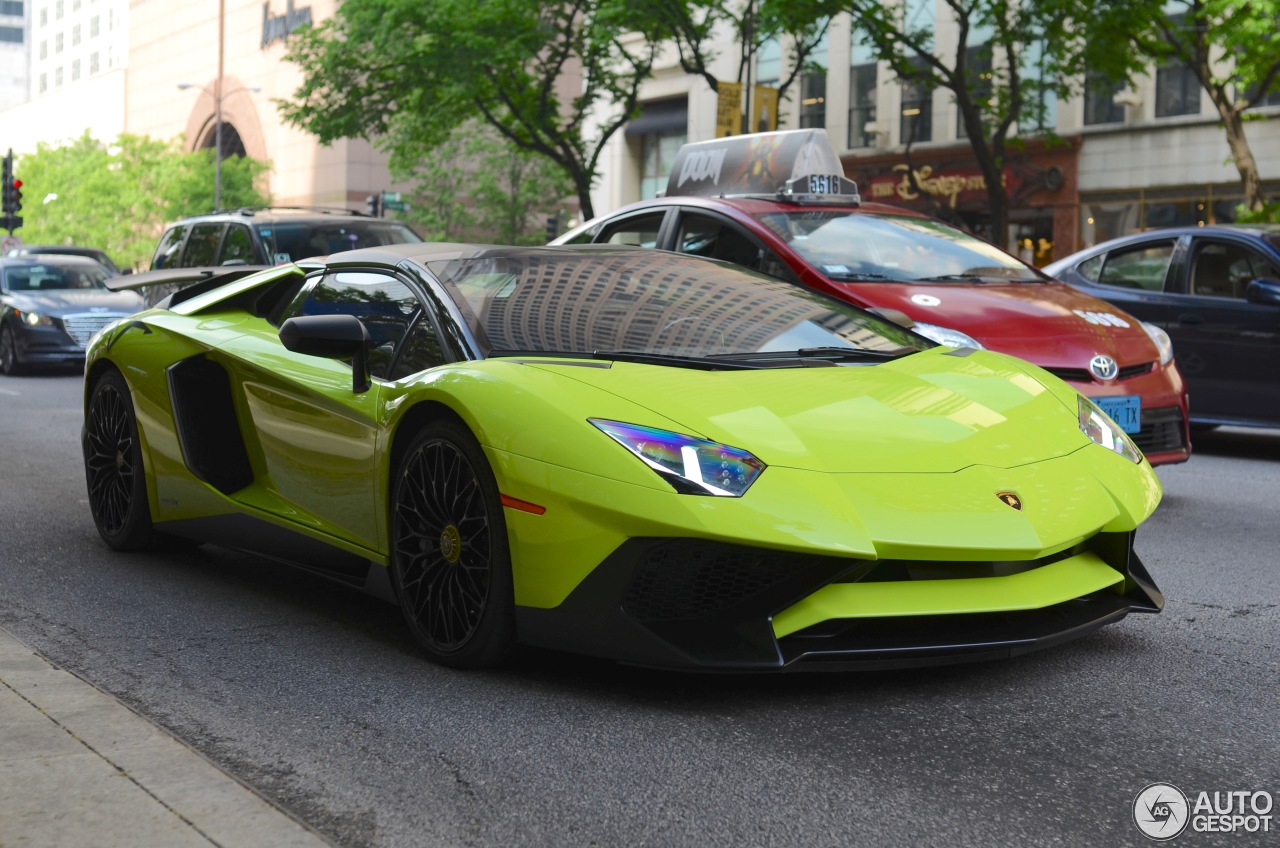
[[217, 96]]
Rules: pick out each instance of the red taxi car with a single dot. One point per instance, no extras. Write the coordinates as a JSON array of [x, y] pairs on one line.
[[779, 203]]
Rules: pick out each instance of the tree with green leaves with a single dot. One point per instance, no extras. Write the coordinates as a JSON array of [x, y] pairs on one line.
[[478, 186], [119, 196], [405, 73], [1008, 57], [694, 26], [1232, 47]]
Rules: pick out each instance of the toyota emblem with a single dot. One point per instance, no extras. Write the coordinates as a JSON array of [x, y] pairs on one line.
[[1103, 367]]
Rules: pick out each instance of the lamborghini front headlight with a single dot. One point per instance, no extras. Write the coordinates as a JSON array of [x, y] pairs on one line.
[[1095, 424], [691, 465]]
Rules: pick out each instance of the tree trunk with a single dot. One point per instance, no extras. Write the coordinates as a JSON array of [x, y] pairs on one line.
[[1241, 153]]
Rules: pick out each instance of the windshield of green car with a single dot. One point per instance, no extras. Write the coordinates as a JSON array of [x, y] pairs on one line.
[[289, 241], [871, 247], [652, 303], [51, 276]]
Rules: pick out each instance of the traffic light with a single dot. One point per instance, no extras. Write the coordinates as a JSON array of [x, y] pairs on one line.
[[11, 194], [373, 205], [553, 226]]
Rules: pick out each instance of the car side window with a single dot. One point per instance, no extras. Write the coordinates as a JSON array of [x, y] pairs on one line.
[[166, 255], [237, 246], [585, 237], [1091, 268], [640, 231], [1224, 269], [703, 235], [202, 246], [1142, 266], [421, 350], [386, 306]]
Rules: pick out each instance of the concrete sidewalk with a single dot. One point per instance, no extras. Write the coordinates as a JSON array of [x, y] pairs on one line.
[[79, 768]]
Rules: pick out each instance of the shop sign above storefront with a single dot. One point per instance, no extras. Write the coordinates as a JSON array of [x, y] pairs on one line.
[[951, 186]]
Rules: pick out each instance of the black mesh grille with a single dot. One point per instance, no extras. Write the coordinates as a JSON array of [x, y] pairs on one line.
[[1162, 430], [692, 579]]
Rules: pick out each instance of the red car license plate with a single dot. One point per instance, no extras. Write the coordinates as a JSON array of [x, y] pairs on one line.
[[1125, 410]]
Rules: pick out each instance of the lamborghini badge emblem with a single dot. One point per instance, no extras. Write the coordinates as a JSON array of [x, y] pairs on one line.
[[1011, 499]]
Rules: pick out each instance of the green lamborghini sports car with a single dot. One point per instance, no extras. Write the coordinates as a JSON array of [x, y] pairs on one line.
[[662, 459]]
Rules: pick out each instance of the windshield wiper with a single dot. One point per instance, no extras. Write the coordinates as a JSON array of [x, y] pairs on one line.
[[856, 276], [708, 363], [825, 353], [977, 278]]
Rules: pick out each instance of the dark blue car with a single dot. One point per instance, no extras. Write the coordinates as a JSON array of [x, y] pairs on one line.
[[1216, 291]]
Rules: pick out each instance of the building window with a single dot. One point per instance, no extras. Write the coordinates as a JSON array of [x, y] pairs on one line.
[[657, 153], [11, 35], [57, 43], [813, 100], [813, 90], [11, 7], [75, 34], [57, 10], [1271, 98], [862, 104], [1177, 91], [977, 62], [57, 77], [917, 111], [44, 83], [75, 70], [44, 50], [769, 63], [44, 17], [1100, 106], [93, 26], [93, 62], [75, 5]]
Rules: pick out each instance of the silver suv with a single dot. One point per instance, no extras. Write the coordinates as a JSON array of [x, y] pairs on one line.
[[272, 235]]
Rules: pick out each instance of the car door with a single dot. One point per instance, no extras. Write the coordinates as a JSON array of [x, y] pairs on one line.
[[1227, 347], [317, 437]]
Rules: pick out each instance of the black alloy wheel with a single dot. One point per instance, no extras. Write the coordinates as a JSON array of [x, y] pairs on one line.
[[8, 352], [113, 466], [450, 562]]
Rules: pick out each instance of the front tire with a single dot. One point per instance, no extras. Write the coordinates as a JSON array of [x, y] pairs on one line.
[[9, 363], [113, 466], [450, 561]]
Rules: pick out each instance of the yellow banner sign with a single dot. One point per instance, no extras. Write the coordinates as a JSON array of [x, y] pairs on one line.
[[729, 109]]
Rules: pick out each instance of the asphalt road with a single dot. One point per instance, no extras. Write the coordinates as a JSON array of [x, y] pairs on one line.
[[314, 695]]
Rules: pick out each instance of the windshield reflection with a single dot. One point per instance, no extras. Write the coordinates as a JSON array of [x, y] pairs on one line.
[[868, 247]]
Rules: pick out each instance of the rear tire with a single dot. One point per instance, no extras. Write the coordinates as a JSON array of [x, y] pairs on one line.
[[9, 363], [450, 560], [113, 467]]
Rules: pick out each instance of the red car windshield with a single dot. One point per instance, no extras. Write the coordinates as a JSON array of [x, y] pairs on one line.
[[864, 246]]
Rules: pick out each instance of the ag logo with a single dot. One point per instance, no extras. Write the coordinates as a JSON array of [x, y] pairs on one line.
[[1103, 367], [1010, 499], [925, 300], [1160, 811]]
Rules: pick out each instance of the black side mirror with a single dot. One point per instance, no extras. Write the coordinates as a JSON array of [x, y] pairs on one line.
[[333, 337], [1263, 291]]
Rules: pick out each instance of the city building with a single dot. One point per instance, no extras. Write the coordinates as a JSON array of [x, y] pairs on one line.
[[152, 67], [15, 61], [1117, 159]]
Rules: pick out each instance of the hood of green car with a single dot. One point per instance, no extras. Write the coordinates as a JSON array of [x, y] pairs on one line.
[[929, 412]]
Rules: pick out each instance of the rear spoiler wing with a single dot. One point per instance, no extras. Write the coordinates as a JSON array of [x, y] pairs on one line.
[[166, 283], [183, 277]]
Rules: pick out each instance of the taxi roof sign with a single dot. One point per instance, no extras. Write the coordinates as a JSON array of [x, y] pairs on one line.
[[795, 165]]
